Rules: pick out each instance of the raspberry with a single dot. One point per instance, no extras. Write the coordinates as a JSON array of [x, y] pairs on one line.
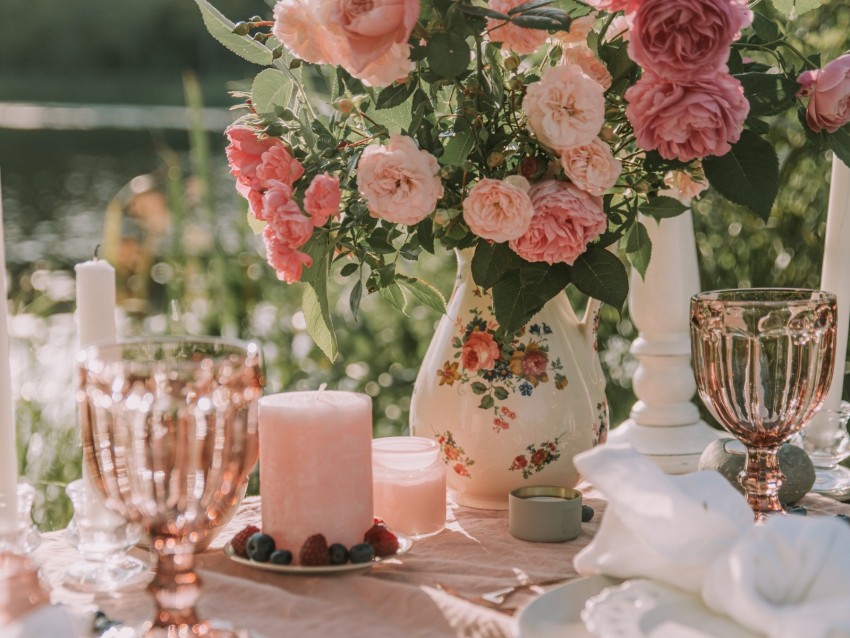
[[382, 540], [240, 541], [314, 551]]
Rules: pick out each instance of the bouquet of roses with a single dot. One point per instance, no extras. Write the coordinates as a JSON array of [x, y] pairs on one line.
[[534, 133]]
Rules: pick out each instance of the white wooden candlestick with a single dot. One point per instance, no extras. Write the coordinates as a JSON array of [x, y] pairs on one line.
[[664, 425]]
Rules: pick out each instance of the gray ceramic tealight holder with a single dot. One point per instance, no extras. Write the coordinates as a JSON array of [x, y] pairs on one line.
[[544, 514]]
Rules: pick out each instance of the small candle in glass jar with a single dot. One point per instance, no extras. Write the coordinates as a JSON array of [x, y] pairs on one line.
[[409, 484]]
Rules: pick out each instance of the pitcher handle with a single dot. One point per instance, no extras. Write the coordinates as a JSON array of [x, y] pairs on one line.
[[588, 321]]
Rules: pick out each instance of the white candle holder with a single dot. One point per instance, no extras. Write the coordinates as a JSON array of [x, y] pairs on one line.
[[103, 539], [827, 442], [24, 537]]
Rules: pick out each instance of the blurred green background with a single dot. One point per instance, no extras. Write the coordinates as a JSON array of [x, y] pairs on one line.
[[111, 120]]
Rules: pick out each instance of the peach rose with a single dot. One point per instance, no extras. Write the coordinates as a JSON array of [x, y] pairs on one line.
[[612, 6], [285, 219], [322, 198], [479, 352], [287, 262], [517, 39], [580, 28], [619, 28], [278, 164], [593, 167], [594, 67], [566, 220], [565, 108], [297, 26], [498, 210], [393, 66], [828, 90], [679, 39], [682, 186], [399, 181], [244, 152], [687, 119]]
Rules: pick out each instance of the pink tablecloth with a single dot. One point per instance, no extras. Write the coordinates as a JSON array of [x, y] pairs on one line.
[[398, 598]]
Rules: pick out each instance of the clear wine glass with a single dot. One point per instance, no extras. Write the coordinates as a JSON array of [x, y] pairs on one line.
[[169, 429], [763, 360]]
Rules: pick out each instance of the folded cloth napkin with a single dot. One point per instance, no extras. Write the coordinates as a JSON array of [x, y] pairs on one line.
[[48, 621], [666, 528], [788, 578]]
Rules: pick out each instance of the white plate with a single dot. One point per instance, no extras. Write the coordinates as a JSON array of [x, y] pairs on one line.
[[647, 609], [557, 613], [404, 545]]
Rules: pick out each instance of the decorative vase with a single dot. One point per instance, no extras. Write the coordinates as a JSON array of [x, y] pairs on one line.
[[513, 414]]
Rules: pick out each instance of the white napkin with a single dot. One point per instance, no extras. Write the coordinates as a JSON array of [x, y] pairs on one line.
[[666, 528], [48, 621], [788, 578]]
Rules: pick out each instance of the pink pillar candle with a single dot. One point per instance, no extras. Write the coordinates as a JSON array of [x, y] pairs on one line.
[[410, 484], [316, 467]]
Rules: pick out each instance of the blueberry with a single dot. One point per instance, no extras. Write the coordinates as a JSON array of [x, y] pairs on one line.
[[799, 510], [339, 554], [260, 547], [361, 553], [586, 513], [843, 517], [281, 557]]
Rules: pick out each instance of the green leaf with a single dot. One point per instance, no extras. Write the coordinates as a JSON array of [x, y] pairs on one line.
[[222, 30], [794, 8], [478, 387], [839, 142], [314, 297], [662, 207], [747, 175], [271, 90], [639, 248], [395, 119], [768, 93], [394, 95], [600, 274], [425, 234], [458, 148], [449, 54], [483, 12], [354, 298], [491, 261], [349, 269], [528, 6], [486, 402], [766, 28], [395, 296], [424, 292], [544, 20], [520, 294], [501, 393]]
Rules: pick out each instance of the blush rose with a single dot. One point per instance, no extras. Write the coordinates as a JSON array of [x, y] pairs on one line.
[[687, 119], [498, 210], [398, 181], [828, 90], [515, 38], [593, 167], [566, 219]]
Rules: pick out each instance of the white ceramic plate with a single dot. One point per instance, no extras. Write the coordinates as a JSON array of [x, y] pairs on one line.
[[404, 545]]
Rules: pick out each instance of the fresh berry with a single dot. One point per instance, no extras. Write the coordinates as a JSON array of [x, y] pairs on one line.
[[382, 540], [361, 553], [586, 513], [240, 541], [338, 554], [314, 551], [260, 547], [281, 557], [843, 517], [799, 510]]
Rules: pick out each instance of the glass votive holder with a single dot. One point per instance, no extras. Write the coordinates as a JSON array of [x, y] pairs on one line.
[[409, 482]]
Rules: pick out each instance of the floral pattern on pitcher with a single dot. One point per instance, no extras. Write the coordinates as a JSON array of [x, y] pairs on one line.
[[495, 370], [453, 455], [600, 425], [536, 457]]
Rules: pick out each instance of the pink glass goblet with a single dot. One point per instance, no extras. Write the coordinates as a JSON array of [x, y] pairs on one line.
[[763, 360], [169, 430]]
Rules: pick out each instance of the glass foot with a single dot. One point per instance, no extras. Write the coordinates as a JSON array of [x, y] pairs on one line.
[[120, 575], [209, 629], [833, 482]]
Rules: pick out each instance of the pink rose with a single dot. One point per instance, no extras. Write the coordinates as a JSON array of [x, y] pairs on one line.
[[593, 167], [612, 6], [394, 66], [255, 200], [619, 28], [278, 164], [479, 351], [594, 67], [687, 119], [368, 28], [829, 95], [498, 210], [286, 261], [580, 28], [566, 220], [399, 181], [244, 152], [297, 26], [565, 108], [517, 39], [679, 39], [682, 186], [322, 198], [285, 219]]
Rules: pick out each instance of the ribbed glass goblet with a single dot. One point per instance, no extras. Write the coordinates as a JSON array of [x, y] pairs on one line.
[[169, 429], [763, 360]]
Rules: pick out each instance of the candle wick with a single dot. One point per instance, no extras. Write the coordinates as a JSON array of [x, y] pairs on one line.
[[96, 249]]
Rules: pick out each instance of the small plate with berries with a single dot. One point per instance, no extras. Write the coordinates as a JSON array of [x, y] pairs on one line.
[[253, 548]]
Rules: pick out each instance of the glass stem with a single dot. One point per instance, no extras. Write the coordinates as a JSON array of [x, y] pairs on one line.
[[761, 479], [176, 587]]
